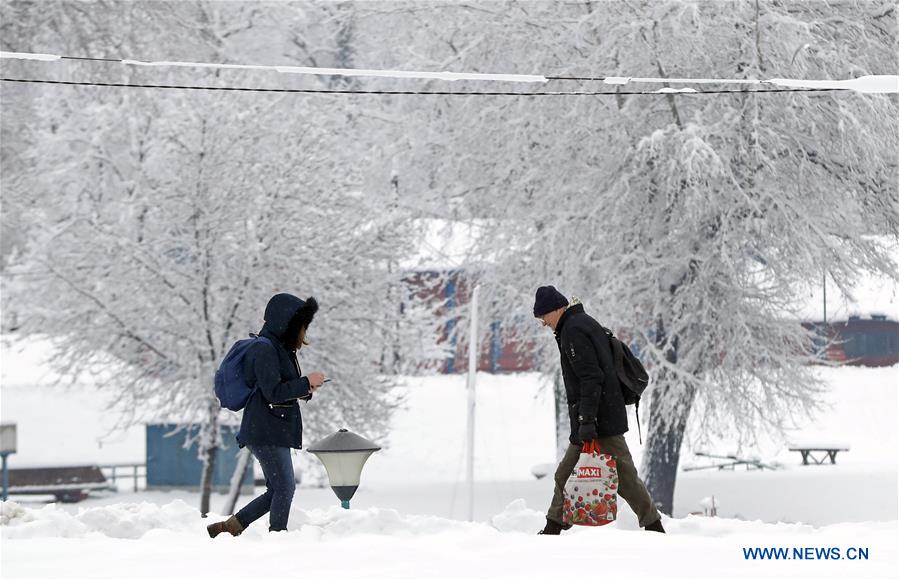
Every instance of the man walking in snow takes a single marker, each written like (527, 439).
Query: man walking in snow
(595, 405)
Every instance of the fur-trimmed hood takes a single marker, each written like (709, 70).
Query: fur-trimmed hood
(285, 314)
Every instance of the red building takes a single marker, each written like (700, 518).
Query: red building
(862, 342)
(872, 342)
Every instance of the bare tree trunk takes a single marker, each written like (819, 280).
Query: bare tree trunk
(209, 450)
(243, 461)
(670, 404)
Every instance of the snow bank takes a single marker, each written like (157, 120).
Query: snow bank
(336, 522)
(517, 517)
(142, 540)
(861, 406)
(125, 520)
(814, 494)
(133, 521)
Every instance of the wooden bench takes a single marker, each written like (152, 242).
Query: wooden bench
(830, 451)
(67, 484)
(730, 462)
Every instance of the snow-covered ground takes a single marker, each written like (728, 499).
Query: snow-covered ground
(407, 518)
(135, 540)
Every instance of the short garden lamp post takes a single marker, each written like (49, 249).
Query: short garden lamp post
(7, 446)
(343, 455)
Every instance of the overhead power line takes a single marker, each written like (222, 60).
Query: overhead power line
(677, 92)
(301, 70)
(873, 83)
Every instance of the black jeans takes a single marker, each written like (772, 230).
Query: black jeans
(280, 485)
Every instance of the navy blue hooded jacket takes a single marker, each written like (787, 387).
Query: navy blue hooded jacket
(272, 413)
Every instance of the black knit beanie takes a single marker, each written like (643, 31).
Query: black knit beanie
(548, 299)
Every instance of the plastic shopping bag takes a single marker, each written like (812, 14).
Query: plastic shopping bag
(591, 493)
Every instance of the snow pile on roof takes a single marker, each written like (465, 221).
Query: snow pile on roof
(26, 362)
(446, 244)
(30, 362)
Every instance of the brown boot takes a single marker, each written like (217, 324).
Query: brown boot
(231, 525)
(655, 527)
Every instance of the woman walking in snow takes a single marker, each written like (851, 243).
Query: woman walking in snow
(272, 423)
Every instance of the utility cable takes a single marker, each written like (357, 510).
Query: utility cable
(664, 91)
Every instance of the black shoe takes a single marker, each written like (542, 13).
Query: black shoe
(551, 529)
(655, 527)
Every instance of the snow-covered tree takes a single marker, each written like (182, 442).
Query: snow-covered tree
(169, 219)
(693, 223)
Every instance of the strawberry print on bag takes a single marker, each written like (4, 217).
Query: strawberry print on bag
(591, 493)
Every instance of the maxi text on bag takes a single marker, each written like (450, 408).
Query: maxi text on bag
(591, 493)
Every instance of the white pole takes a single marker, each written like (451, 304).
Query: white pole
(472, 382)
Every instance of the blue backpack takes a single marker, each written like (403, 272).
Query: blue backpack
(231, 387)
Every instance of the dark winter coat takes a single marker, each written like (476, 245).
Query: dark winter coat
(272, 413)
(588, 369)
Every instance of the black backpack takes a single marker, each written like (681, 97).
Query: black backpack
(632, 376)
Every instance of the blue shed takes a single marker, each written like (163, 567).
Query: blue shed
(171, 465)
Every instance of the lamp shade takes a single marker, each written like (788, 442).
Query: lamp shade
(8, 438)
(343, 455)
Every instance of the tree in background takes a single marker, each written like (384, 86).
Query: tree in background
(734, 208)
(169, 219)
(691, 222)
(694, 224)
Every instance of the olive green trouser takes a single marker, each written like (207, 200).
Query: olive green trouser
(630, 486)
